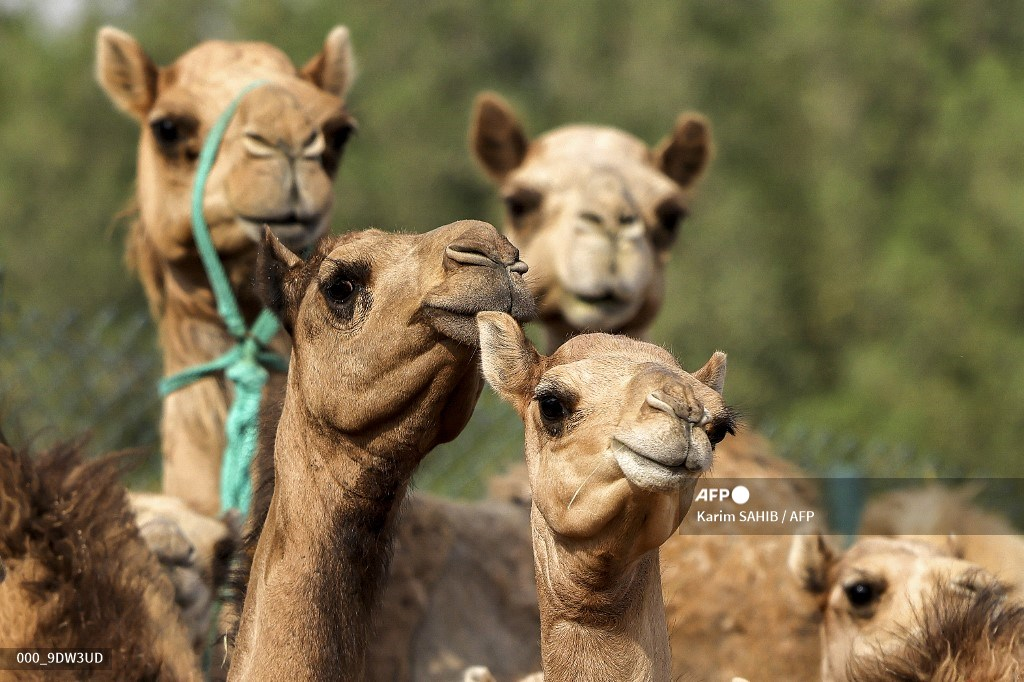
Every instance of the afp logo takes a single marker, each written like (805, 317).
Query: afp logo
(740, 494)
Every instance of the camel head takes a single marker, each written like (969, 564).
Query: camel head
(875, 595)
(593, 210)
(616, 433)
(388, 322)
(279, 154)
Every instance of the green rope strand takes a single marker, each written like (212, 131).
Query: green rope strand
(246, 365)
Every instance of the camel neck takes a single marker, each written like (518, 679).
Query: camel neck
(599, 621)
(191, 330)
(323, 555)
(192, 422)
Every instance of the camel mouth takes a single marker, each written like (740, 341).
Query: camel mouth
(649, 473)
(606, 312)
(607, 300)
(459, 323)
(295, 231)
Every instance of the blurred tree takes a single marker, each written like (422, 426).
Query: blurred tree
(856, 247)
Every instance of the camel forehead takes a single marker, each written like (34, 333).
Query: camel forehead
(597, 363)
(212, 58)
(588, 143)
(917, 564)
(597, 345)
(577, 156)
(892, 549)
(408, 251)
(207, 77)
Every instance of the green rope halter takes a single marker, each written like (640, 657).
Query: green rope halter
(246, 364)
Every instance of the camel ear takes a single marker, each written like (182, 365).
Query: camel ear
(810, 558)
(274, 265)
(712, 374)
(496, 136)
(125, 72)
(334, 69)
(686, 154)
(510, 362)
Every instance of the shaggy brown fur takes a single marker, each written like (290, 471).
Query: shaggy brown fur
(78, 574)
(976, 636)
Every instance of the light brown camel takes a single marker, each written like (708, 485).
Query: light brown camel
(897, 609)
(275, 166)
(595, 212)
(74, 572)
(383, 368)
(616, 437)
(935, 512)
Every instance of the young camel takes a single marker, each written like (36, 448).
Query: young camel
(383, 368)
(595, 212)
(74, 572)
(898, 609)
(616, 437)
(275, 166)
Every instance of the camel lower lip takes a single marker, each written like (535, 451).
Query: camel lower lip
(647, 472)
(294, 234)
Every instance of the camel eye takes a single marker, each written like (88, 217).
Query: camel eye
(341, 288)
(339, 137)
(862, 593)
(166, 131)
(173, 135)
(670, 215)
(338, 291)
(522, 201)
(555, 408)
(552, 409)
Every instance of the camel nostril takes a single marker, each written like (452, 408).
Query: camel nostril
(520, 267)
(471, 254)
(657, 400)
(592, 218)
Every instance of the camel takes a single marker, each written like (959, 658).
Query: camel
(74, 572)
(595, 212)
(899, 609)
(934, 512)
(275, 166)
(383, 368)
(616, 437)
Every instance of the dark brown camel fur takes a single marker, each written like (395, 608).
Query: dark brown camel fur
(76, 572)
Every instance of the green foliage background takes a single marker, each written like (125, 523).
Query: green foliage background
(856, 247)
